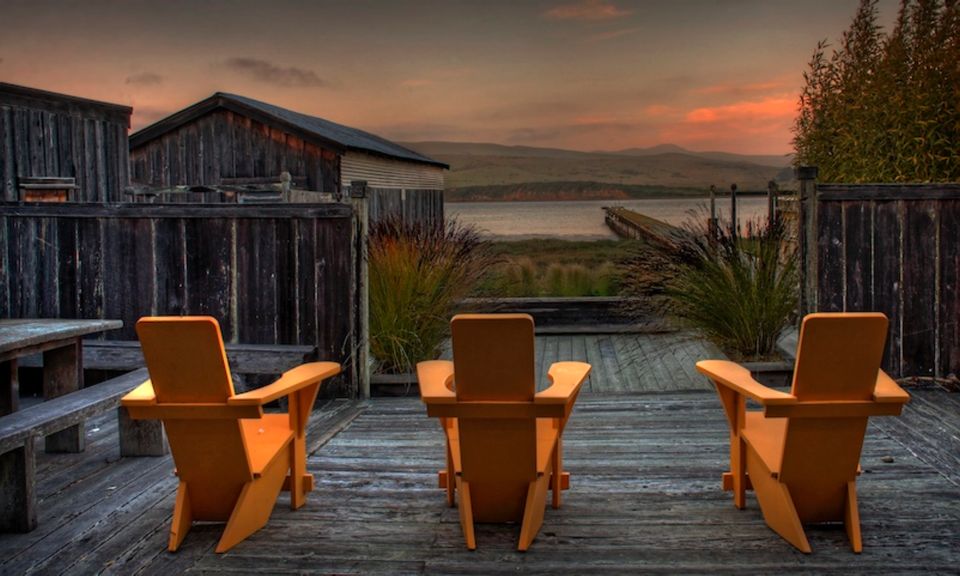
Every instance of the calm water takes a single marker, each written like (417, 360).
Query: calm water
(583, 220)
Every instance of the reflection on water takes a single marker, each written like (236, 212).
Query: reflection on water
(584, 220)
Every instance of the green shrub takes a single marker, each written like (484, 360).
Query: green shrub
(739, 291)
(417, 274)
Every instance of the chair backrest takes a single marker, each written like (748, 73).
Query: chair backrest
(838, 355)
(493, 358)
(838, 359)
(188, 365)
(186, 358)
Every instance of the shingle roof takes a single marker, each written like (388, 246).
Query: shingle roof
(341, 136)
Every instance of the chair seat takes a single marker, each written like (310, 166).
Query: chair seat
(264, 437)
(766, 436)
(547, 435)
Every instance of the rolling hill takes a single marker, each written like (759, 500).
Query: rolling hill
(488, 172)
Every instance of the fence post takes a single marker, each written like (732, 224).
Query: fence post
(772, 190)
(712, 221)
(807, 238)
(361, 232)
(734, 229)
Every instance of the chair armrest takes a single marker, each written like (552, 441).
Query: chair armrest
(436, 382)
(888, 391)
(291, 381)
(738, 379)
(142, 395)
(566, 379)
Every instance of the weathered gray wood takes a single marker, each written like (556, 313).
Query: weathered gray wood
(63, 374)
(294, 288)
(18, 510)
(887, 248)
(39, 334)
(67, 410)
(140, 437)
(243, 358)
(53, 139)
(645, 497)
(9, 387)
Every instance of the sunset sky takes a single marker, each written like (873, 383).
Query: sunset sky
(578, 74)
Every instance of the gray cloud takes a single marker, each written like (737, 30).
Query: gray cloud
(144, 79)
(270, 73)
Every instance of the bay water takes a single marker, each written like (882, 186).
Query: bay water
(583, 220)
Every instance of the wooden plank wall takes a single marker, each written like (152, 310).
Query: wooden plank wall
(52, 138)
(224, 144)
(895, 249)
(424, 206)
(271, 274)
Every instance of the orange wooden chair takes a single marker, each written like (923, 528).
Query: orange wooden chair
(504, 446)
(231, 458)
(801, 453)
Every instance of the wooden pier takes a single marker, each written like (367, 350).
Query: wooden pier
(645, 493)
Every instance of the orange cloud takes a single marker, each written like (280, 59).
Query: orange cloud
(587, 10)
(761, 126)
(766, 109)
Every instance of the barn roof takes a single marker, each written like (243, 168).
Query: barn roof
(327, 133)
(12, 94)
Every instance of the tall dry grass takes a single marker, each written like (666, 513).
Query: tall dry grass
(417, 274)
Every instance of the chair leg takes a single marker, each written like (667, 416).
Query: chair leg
(466, 513)
(851, 517)
(451, 485)
(776, 504)
(255, 504)
(533, 511)
(556, 477)
(182, 518)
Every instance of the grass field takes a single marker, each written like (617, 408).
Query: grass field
(553, 267)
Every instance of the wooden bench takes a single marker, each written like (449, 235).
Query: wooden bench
(243, 358)
(19, 430)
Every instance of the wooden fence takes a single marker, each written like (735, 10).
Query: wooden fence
(893, 249)
(271, 274)
(425, 206)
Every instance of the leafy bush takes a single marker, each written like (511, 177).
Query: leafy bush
(417, 274)
(886, 107)
(740, 291)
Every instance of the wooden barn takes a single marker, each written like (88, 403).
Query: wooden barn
(58, 147)
(233, 140)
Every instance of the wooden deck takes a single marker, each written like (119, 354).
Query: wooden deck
(622, 363)
(645, 496)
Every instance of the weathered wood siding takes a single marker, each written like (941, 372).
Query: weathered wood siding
(408, 190)
(424, 206)
(45, 134)
(271, 274)
(387, 173)
(893, 249)
(224, 144)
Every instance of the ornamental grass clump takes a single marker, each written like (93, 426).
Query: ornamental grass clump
(417, 274)
(739, 291)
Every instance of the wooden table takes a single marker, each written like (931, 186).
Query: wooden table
(62, 348)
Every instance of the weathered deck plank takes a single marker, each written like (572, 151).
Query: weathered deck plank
(645, 496)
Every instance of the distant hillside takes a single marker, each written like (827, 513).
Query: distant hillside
(763, 160)
(480, 170)
(533, 191)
